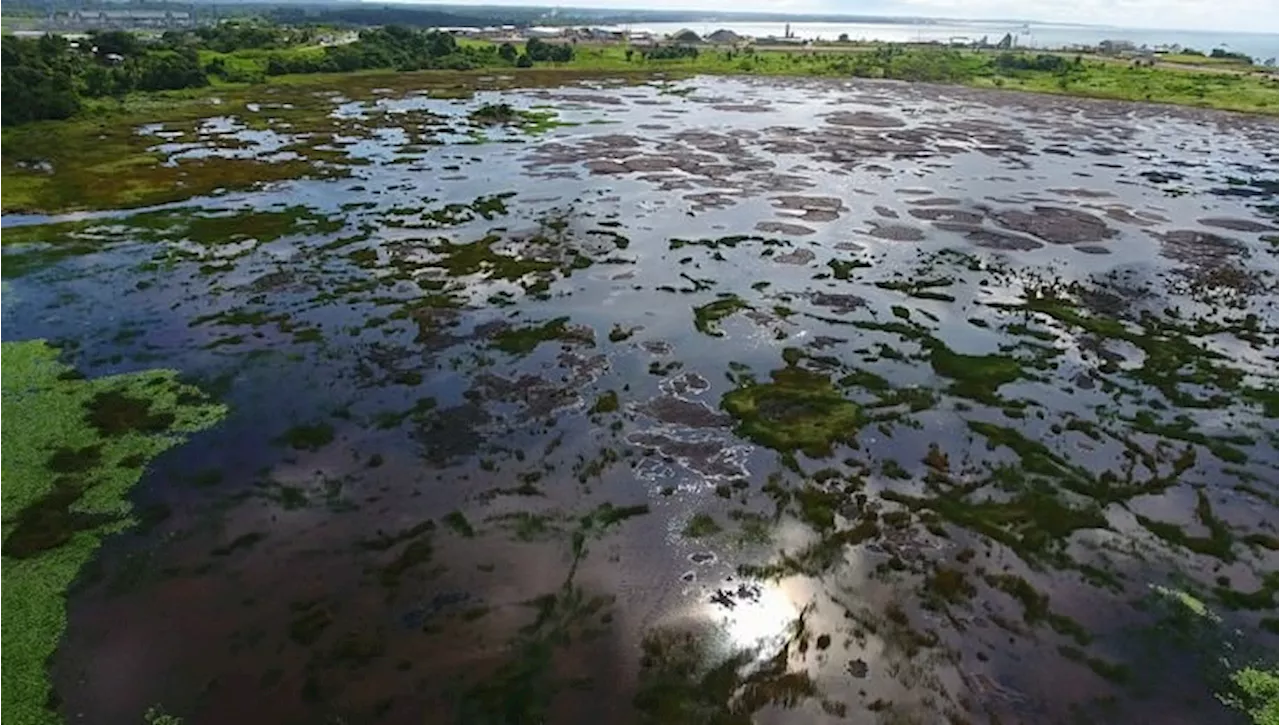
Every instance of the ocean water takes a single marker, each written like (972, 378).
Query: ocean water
(1261, 46)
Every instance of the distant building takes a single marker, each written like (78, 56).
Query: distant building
(724, 37)
(1115, 47)
(686, 37)
(121, 19)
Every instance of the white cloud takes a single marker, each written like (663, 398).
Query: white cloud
(1256, 16)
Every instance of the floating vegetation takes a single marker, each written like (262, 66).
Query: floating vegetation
(707, 317)
(73, 447)
(528, 120)
(523, 340)
(797, 410)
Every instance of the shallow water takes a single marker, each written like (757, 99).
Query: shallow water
(481, 387)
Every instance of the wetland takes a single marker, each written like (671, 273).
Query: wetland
(553, 397)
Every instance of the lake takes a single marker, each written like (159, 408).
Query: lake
(709, 400)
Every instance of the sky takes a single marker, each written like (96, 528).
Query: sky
(1257, 16)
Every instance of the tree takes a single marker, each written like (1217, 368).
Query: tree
(561, 53)
(524, 61)
(119, 42)
(507, 52)
(844, 38)
(537, 49)
(34, 93)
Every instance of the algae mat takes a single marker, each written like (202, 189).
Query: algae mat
(72, 450)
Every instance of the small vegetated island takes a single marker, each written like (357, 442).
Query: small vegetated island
(361, 372)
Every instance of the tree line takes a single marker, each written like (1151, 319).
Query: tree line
(49, 77)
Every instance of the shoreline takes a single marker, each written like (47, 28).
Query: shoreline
(100, 144)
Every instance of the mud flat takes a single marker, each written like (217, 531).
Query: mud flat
(725, 400)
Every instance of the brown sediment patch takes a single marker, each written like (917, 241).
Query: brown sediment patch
(769, 181)
(799, 256)
(452, 433)
(1124, 215)
(789, 146)
(604, 166)
(1092, 249)
(896, 232)
(650, 163)
(686, 383)
(674, 410)
(991, 238)
(656, 347)
(885, 212)
(712, 457)
(716, 143)
(864, 119)
(1150, 216)
(840, 303)
(1196, 247)
(540, 397)
(935, 201)
(1211, 265)
(710, 200)
(957, 216)
(1056, 224)
(580, 98)
(744, 107)
(1081, 193)
(1237, 225)
(794, 230)
(810, 208)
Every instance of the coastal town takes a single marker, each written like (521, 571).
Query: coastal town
(75, 22)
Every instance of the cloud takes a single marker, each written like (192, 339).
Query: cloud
(1210, 15)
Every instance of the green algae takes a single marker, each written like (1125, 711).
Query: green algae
(1172, 360)
(69, 461)
(727, 242)
(976, 376)
(528, 120)
(921, 289)
(34, 247)
(523, 340)
(479, 257)
(457, 521)
(706, 318)
(482, 207)
(701, 525)
(308, 436)
(620, 333)
(844, 269)
(798, 410)
(607, 402)
(1253, 692)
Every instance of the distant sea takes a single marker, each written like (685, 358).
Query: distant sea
(1262, 46)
